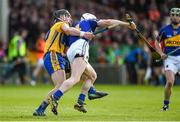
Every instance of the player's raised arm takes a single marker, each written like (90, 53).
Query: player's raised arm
(65, 16)
(108, 22)
(157, 44)
(75, 32)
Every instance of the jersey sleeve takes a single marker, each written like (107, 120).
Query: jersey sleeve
(84, 26)
(161, 35)
(93, 24)
(59, 25)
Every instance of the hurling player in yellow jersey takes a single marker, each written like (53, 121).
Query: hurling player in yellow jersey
(54, 49)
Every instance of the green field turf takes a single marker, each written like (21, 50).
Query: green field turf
(123, 103)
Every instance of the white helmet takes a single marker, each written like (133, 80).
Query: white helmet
(87, 16)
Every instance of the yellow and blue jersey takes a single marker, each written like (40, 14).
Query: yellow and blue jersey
(84, 25)
(54, 48)
(55, 39)
(170, 38)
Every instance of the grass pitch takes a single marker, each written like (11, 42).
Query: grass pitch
(140, 103)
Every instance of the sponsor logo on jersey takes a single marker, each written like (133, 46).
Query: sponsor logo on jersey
(173, 41)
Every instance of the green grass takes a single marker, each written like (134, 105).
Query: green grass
(123, 103)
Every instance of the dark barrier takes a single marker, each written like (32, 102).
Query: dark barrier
(110, 74)
(116, 74)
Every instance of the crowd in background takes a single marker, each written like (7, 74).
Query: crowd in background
(114, 47)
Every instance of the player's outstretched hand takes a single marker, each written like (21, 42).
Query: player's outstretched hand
(132, 26)
(88, 35)
(163, 56)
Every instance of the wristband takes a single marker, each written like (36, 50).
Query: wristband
(82, 33)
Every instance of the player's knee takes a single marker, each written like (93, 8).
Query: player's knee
(94, 76)
(169, 84)
(75, 79)
(58, 84)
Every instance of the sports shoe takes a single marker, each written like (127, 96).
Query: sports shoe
(165, 108)
(53, 104)
(80, 106)
(39, 113)
(97, 95)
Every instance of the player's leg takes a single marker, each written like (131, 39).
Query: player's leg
(75, 54)
(69, 83)
(54, 65)
(84, 91)
(89, 76)
(170, 77)
(77, 71)
(92, 93)
(57, 77)
(170, 71)
(84, 78)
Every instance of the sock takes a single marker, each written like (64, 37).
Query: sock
(166, 102)
(91, 90)
(57, 95)
(43, 106)
(82, 97)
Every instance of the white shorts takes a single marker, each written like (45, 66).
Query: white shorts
(172, 63)
(80, 47)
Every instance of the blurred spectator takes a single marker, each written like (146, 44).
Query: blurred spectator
(16, 56)
(136, 65)
(106, 40)
(114, 55)
(101, 56)
(39, 67)
(144, 62)
(154, 14)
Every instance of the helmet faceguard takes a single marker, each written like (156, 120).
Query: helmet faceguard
(175, 11)
(175, 16)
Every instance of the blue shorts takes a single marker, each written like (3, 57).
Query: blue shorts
(53, 61)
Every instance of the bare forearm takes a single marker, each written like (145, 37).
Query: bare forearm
(109, 22)
(158, 48)
(73, 31)
(121, 23)
(70, 30)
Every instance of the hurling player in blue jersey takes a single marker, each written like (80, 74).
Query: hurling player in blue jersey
(170, 36)
(78, 55)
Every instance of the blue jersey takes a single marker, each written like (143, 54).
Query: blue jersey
(170, 38)
(84, 25)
